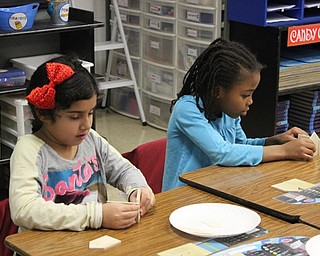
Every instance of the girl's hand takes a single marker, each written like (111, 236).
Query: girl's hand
(299, 149)
(147, 199)
(285, 137)
(118, 215)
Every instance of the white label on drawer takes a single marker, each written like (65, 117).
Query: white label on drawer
(123, 3)
(155, 78)
(155, 110)
(192, 52)
(192, 32)
(155, 24)
(155, 45)
(123, 17)
(154, 8)
(193, 16)
(192, 2)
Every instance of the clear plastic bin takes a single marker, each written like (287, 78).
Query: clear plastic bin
(19, 127)
(15, 117)
(123, 101)
(8, 138)
(128, 16)
(157, 110)
(159, 47)
(195, 31)
(159, 80)
(120, 68)
(209, 3)
(161, 8)
(132, 34)
(188, 51)
(157, 23)
(180, 76)
(130, 4)
(199, 14)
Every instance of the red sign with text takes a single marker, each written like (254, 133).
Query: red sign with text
(305, 34)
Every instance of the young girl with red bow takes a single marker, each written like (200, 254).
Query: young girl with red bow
(60, 172)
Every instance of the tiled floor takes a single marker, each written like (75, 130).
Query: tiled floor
(124, 133)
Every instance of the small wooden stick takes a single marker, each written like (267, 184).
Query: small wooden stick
(122, 202)
(138, 202)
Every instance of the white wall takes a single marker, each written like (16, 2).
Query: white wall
(99, 9)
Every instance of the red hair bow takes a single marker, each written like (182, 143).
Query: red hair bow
(44, 97)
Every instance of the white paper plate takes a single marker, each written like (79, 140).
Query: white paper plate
(214, 220)
(313, 246)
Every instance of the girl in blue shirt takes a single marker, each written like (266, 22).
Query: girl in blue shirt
(204, 128)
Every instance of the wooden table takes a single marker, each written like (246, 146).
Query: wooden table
(251, 186)
(311, 218)
(154, 233)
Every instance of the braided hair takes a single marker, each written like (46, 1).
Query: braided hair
(221, 64)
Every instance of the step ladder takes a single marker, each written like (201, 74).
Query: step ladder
(109, 82)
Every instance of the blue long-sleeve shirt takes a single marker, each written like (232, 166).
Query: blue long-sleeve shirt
(193, 142)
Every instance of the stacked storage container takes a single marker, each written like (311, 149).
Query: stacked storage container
(123, 100)
(15, 118)
(163, 43)
(158, 60)
(199, 23)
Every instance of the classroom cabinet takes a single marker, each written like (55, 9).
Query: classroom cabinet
(270, 44)
(76, 37)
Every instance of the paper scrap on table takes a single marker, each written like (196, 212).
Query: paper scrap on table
(316, 140)
(103, 242)
(293, 185)
(185, 250)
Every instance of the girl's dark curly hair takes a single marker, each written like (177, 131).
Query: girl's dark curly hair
(80, 86)
(221, 64)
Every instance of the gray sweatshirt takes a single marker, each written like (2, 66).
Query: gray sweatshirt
(48, 192)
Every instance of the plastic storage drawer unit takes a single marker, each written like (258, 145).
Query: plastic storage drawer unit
(128, 16)
(158, 79)
(15, 118)
(211, 3)
(157, 110)
(133, 39)
(188, 52)
(197, 31)
(123, 101)
(180, 77)
(199, 14)
(159, 47)
(119, 67)
(164, 8)
(158, 23)
(130, 4)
